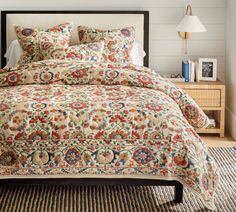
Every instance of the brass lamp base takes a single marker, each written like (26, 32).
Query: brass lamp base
(185, 35)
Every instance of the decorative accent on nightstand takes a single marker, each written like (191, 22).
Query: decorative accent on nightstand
(210, 96)
(207, 69)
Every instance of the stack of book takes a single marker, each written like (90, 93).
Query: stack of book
(189, 70)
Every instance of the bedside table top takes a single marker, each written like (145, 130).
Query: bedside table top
(202, 84)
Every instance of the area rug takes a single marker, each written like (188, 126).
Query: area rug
(120, 198)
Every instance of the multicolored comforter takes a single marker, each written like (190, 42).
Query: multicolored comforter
(71, 119)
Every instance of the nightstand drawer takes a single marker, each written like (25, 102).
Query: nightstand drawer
(205, 98)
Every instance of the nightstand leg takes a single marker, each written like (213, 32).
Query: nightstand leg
(222, 123)
(222, 113)
(222, 135)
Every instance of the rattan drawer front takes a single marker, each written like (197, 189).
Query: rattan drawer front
(205, 98)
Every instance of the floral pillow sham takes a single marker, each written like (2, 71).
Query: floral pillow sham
(91, 52)
(118, 42)
(29, 40)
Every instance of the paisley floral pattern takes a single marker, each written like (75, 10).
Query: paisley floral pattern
(53, 38)
(118, 42)
(72, 119)
(91, 52)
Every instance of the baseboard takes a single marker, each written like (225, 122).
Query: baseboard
(231, 123)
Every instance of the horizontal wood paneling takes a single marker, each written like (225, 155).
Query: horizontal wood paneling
(111, 3)
(168, 32)
(174, 48)
(166, 48)
(174, 15)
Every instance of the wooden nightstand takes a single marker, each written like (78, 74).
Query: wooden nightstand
(210, 96)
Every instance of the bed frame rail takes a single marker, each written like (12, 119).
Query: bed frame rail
(98, 182)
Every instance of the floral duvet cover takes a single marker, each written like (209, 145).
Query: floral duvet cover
(69, 119)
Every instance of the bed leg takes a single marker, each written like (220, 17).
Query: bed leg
(178, 192)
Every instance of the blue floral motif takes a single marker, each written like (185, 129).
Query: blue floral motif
(143, 156)
(72, 156)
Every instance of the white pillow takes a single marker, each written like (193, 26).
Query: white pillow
(137, 54)
(13, 54)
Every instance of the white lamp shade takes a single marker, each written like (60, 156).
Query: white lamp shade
(191, 23)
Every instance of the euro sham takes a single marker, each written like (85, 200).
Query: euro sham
(118, 42)
(29, 39)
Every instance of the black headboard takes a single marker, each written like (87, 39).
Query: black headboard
(4, 25)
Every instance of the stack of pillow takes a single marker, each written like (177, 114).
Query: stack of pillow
(95, 45)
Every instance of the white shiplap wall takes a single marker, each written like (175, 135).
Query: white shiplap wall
(230, 69)
(165, 46)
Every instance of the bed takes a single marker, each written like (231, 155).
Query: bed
(67, 122)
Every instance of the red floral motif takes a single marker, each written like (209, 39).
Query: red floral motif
(191, 112)
(154, 107)
(4, 70)
(180, 161)
(3, 107)
(19, 136)
(78, 105)
(117, 118)
(112, 45)
(118, 134)
(38, 135)
(176, 138)
(46, 45)
(17, 120)
(74, 55)
(126, 32)
(55, 29)
(99, 135)
(97, 118)
(175, 93)
(80, 73)
(13, 78)
(144, 79)
(135, 134)
(112, 58)
(37, 119)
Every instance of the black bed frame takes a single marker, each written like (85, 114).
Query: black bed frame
(89, 181)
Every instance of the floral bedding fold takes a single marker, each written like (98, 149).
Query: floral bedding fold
(71, 119)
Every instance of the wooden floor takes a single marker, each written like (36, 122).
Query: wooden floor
(216, 141)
